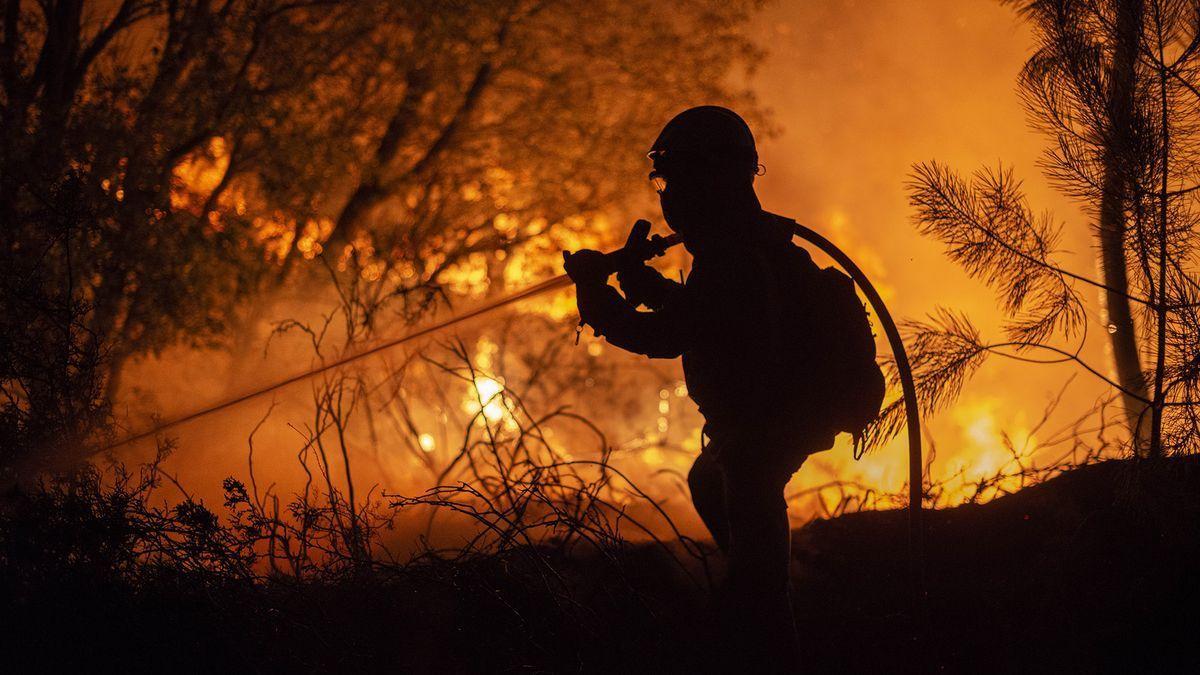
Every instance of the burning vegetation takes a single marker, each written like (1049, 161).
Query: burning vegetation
(200, 199)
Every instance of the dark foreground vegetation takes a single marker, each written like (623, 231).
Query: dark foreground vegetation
(1092, 571)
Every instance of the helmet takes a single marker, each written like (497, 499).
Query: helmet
(707, 133)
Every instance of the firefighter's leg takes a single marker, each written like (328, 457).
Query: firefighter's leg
(759, 562)
(706, 481)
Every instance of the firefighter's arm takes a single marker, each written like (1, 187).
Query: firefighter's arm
(661, 334)
(643, 285)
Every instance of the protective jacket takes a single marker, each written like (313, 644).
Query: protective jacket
(725, 321)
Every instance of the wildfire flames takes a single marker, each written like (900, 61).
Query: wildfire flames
(838, 166)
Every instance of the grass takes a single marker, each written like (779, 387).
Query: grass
(1091, 571)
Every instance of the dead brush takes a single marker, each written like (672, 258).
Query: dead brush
(525, 494)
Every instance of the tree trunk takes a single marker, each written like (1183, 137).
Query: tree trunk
(1121, 328)
(1160, 296)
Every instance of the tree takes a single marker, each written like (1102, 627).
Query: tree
(101, 104)
(497, 141)
(122, 99)
(412, 147)
(1113, 83)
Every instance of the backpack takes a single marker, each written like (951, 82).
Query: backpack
(829, 344)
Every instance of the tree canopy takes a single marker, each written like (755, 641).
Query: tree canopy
(163, 162)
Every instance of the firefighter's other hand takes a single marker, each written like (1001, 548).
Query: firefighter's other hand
(587, 267)
(640, 284)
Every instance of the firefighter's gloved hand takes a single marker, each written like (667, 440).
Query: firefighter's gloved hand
(641, 285)
(587, 267)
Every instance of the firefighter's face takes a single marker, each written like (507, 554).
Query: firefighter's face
(678, 198)
(689, 196)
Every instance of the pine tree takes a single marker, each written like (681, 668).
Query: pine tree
(1113, 84)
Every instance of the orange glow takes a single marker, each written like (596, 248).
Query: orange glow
(200, 174)
(860, 96)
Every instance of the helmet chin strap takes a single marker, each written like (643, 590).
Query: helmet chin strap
(722, 220)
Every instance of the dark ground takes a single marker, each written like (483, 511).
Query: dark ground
(1094, 571)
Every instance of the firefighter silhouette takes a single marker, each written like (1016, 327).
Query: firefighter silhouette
(776, 367)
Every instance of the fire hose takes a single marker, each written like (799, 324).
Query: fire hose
(912, 413)
(650, 248)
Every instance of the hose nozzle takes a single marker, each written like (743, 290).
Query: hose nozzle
(639, 247)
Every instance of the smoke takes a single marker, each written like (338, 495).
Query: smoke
(860, 92)
(863, 90)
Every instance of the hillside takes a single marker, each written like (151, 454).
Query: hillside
(1092, 571)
